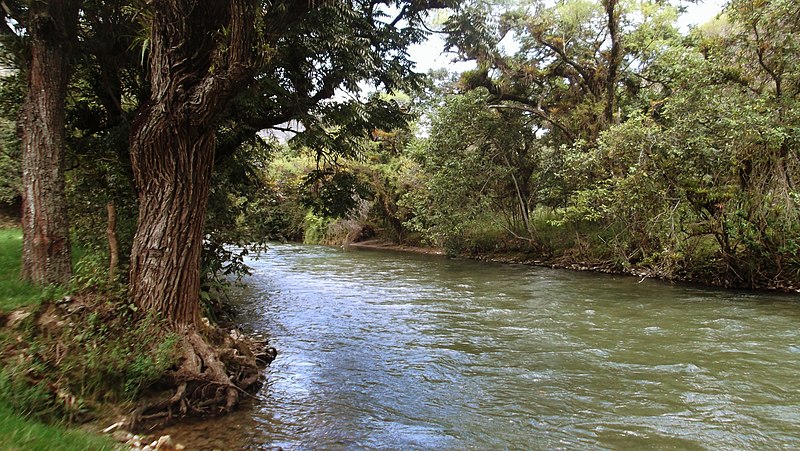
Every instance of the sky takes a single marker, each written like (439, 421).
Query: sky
(429, 55)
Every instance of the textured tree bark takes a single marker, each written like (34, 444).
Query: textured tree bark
(46, 254)
(172, 165)
(201, 54)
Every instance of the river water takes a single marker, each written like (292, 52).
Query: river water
(383, 350)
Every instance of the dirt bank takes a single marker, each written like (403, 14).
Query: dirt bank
(564, 262)
(389, 246)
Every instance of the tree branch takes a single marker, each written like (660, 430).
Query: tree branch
(586, 79)
(776, 78)
(538, 111)
(235, 63)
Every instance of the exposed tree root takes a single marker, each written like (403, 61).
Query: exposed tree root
(216, 370)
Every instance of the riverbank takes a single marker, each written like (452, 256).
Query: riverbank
(28, 417)
(389, 246)
(83, 354)
(573, 264)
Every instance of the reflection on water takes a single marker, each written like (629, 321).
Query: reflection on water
(398, 351)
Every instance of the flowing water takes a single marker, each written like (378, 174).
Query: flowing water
(382, 350)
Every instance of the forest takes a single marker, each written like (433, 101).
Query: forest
(148, 148)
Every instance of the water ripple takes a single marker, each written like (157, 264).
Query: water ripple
(393, 351)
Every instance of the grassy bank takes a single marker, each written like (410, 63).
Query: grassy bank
(33, 386)
(20, 433)
(14, 293)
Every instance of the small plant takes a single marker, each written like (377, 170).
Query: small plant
(148, 368)
(27, 396)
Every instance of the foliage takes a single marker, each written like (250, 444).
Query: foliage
(55, 369)
(10, 175)
(316, 229)
(392, 177)
(480, 158)
(106, 352)
(693, 176)
(570, 74)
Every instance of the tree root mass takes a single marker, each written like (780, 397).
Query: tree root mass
(215, 371)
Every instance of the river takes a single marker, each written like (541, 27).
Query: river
(383, 350)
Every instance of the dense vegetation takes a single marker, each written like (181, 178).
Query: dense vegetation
(668, 154)
(589, 134)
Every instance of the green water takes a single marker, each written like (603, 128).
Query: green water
(382, 350)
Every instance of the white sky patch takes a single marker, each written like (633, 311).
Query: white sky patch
(699, 13)
(430, 55)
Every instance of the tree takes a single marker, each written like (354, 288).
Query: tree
(571, 61)
(199, 57)
(200, 60)
(51, 28)
(481, 162)
(700, 181)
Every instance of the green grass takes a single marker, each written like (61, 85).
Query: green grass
(14, 293)
(18, 433)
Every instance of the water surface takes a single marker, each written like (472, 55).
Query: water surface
(383, 350)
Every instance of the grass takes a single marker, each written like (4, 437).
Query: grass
(19, 433)
(14, 293)
(18, 429)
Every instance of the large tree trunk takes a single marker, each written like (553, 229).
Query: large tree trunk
(172, 164)
(201, 53)
(46, 250)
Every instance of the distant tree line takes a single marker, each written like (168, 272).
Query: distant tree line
(598, 132)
